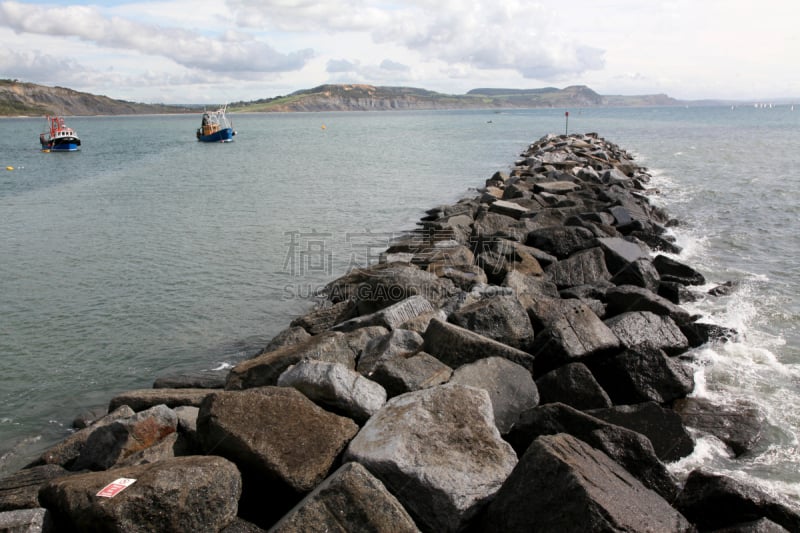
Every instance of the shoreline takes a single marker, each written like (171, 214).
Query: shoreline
(552, 238)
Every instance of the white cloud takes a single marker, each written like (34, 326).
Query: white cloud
(229, 52)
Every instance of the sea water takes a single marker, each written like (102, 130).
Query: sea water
(147, 253)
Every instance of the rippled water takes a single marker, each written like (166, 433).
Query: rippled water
(148, 253)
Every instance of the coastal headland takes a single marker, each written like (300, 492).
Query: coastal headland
(521, 361)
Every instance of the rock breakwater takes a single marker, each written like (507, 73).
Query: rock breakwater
(520, 362)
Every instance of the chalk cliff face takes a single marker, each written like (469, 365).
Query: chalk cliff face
(18, 98)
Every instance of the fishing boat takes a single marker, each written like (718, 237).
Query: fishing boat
(215, 127)
(59, 137)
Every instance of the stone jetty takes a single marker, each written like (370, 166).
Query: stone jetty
(519, 362)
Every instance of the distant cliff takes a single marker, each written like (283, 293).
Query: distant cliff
(29, 99)
(21, 99)
(373, 98)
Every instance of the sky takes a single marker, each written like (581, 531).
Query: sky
(199, 51)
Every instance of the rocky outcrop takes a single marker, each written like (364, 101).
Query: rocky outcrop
(512, 365)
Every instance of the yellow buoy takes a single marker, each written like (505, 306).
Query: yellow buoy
(323, 126)
(9, 168)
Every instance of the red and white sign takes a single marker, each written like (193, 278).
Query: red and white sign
(115, 487)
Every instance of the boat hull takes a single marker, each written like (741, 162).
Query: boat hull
(62, 145)
(223, 135)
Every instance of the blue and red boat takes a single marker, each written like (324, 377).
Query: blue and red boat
(59, 137)
(215, 127)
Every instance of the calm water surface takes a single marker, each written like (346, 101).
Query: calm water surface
(149, 253)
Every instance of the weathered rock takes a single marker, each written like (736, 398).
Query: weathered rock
(396, 343)
(642, 375)
(563, 484)
(511, 388)
(640, 273)
(182, 494)
(274, 433)
(530, 288)
(439, 452)
(188, 443)
(740, 425)
(240, 525)
(390, 317)
(490, 226)
(716, 501)
(206, 379)
(336, 388)
(556, 187)
(631, 450)
(34, 520)
(265, 369)
(456, 346)
(388, 286)
(676, 293)
(142, 399)
(399, 375)
(508, 208)
(497, 265)
(287, 337)
(662, 426)
(724, 289)
(621, 252)
(115, 443)
(699, 333)
(351, 499)
(20, 490)
(576, 335)
(627, 298)
(502, 318)
(420, 323)
(324, 317)
(582, 268)
(672, 270)
(65, 452)
(561, 241)
(648, 330)
(764, 525)
(448, 253)
(463, 276)
(574, 385)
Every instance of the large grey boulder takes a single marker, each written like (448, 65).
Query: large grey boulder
(275, 434)
(333, 346)
(502, 318)
(336, 388)
(631, 450)
(672, 270)
(20, 490)
(573, 334)
(561, 241)
(122, 441)
(399, 375)
(65, 452)
(510, 386)
(396, 343)
(530, 288)
(715, 501)
(647, 330)
(196, 493)
(739, 424)
(456, 346)
(574, 385)
(142, 399)
(671, 441)
(390, 317)
(34, 520)
(643, 375)
(203, 379)
(563, 484)
(640, 273)
(324, 317)
(350, 500)
(289, 336)
(396, 282)
(587, 267)
(626, 298)
(620, 252)
(439, 452)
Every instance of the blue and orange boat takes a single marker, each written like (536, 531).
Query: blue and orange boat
(215, 127)
(59, 137)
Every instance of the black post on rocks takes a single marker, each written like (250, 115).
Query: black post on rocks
(566, 125)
